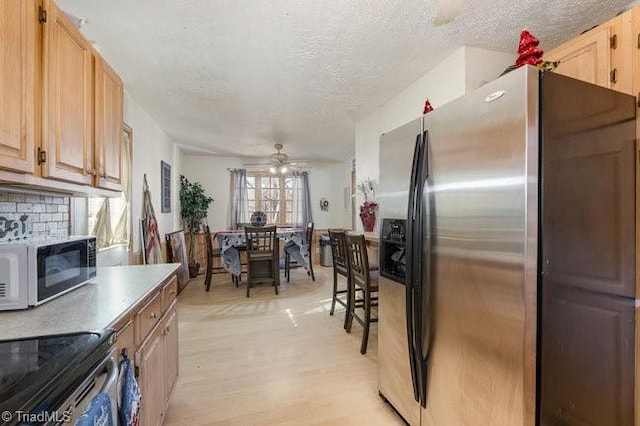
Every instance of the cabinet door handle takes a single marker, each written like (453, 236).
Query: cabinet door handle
(638, 99)
(638, 40)
(614, 76)
(153, 315)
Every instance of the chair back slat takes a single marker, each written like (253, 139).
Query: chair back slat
(309, 234)
(209, 242)
(260, 238)
(358, 259)
(338, 247)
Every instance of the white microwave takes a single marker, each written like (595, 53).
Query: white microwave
(33, 273)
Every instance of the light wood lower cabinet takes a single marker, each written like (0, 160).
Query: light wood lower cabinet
(149, 333)
(126, 339)
(151, 367)
(171, 350)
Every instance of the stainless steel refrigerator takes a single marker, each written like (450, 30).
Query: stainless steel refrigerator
(516, 301)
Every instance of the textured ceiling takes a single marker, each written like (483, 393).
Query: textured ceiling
(235, 76)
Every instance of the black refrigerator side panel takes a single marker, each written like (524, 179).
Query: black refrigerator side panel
(587, 262)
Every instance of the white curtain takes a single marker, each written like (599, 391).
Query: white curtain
(239, 212)
(102, 226)
(115, 211)
(301, 200)
(121, 232)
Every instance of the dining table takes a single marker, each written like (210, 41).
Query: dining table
(230, 241)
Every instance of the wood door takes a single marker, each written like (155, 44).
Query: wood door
(586, 57)
(150, 360)
(18, 26)
(586, 358)
(67, 136)
(635, 35)
(171, 349)
(108, 125)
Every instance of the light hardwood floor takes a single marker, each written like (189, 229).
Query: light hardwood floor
(273, 360)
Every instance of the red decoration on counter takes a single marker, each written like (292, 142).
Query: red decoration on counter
(368, 215)
(528, 52)
(427, 107)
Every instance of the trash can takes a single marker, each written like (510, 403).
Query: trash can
(326, 258)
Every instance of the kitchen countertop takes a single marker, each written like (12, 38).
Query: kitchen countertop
(92, 306)
(372, 238)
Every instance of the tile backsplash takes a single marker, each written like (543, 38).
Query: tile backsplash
(26, 215)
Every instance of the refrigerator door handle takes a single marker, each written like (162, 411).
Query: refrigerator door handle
(422, 290)
(411, 260)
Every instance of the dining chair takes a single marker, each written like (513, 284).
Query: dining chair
(242, 252)
(212, 253)
(294, 250)
(364, 279)
(262, 256)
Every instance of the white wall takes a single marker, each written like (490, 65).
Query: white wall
(150, 146)
(464, 70)
(325, 181)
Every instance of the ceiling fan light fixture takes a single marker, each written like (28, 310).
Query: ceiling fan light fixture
(284, 169)
(273, 170)
(447, 11)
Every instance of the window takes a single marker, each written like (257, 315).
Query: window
(272, 194)
(113, 228)
(116, 210)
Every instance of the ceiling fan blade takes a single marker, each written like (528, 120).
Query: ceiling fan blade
(446, 11)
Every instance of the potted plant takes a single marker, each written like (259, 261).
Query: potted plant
(194, 204)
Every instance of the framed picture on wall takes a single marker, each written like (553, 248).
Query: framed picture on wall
(165, 180)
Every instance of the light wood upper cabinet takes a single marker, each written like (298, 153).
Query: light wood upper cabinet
(18, 26)
(108, 125)
(600, 56)
(621, 51)
(67, 136)
(585, 58)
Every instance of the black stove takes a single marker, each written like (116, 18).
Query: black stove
(38, 374)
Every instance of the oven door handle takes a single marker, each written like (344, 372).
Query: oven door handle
(112, 378)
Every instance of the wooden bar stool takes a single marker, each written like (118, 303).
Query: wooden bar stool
(361, 279)
(340, 267)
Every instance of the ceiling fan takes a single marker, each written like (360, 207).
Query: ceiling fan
(278, 162)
